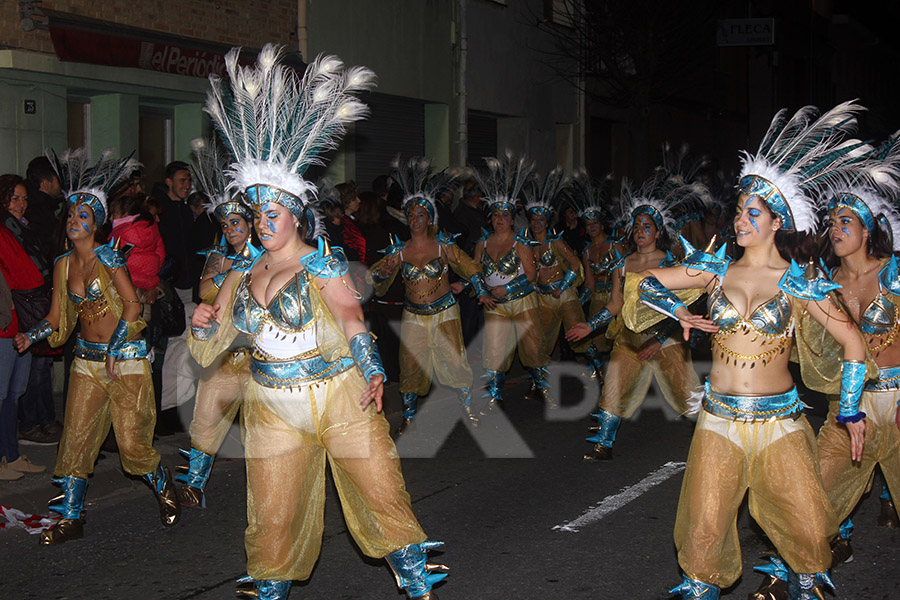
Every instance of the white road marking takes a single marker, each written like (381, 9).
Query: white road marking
(615, 502)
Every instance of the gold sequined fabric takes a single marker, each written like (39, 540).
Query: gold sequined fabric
(511, 325)
(564, 311)
(432, 344)
(286, 477)
(775, 462)
(628, 379)
(846, 481)
(94, 403)
(218, 399)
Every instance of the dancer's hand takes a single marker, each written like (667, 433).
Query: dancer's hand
(649, 349)
(578, 332)
(857, 439)
(487, 301)
(204, 314)
(110, 368)
(373, 392)
(498, 291)
(687, 320)
(457, 288)
(22, 342)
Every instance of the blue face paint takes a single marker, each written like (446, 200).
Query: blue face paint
(239, 230)
(844, 229)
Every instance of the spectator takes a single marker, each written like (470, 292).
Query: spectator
(134, 226)
(203, 233)
(349, 194)
(46, 207)
(20, 273)
(175, 221)
(446, 219)
(368, 219)
(37, 414)
(470, 217)
(573, 232)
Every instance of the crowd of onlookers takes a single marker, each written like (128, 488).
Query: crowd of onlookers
(163, 232)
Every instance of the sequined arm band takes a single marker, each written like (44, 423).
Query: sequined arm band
(478, 285)
(599, 320)
(123, 332)
(365, 353)
(205, 333)
(219, 279)
(39, 332)
(655, 295)
(853, 376)
(568, 279)
(584, 296)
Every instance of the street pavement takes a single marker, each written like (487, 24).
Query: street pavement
(522, 516)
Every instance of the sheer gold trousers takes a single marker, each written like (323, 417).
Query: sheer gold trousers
(94, 403)
(628, 379)
(432, 344)
(845, 481)
(219, 396)
(286, 477)
(513, 324)
(776, 461)
(564, 311)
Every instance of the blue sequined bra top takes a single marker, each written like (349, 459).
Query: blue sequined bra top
(289, 310)
(433, 269)
(772, 321)
(93, 293)
(501, 271)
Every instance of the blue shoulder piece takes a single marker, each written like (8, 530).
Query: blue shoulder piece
(702, 260)
(618, 260)
(668, 261)
(326, 266)
(811, 285)
(484, 235)
(445, 239)
(554, 236)
(219, 279)
(829, 273)
(522, 238)
(63, 254)
(109, 255)
(245, 262)
(394, 247)
(889, 276)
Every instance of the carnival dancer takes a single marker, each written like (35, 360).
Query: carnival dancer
(751, 433)
(219, 392)
(511, 310)
(430, 332)
(864, 230)
(110, 382)
(559, 273)
(592, 204)
(637, 357)
(317, 379)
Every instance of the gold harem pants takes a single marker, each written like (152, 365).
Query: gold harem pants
(94, 403)
(628, 379)
(432, 344)
(846, 481)
(511, 324)
(564, 311)
(776, 461)
(288, 434)
(218, 399)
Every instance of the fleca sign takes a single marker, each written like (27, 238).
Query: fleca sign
(745, 32)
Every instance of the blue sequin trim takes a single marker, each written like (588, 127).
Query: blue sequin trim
(753, 408)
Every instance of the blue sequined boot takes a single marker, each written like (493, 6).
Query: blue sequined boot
(540, 387)
(595, 361)
(494, 389)
(413, 572)
(465, 401)
(888, 515)
(263, 589)
(774, 585)
(410, 406)
(691, 589)
(807, 586)
(69, 505)
(192, 491)
(605, 435)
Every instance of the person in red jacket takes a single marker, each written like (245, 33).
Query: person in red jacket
(20, 273)
(133, 226)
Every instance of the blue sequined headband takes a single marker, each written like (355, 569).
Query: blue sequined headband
(646, 209)
(261, 193)
(92, 202)
(754, 185)
(428, 206)
(858, 207)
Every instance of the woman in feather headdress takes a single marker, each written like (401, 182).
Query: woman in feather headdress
(218, 393)
(863, 229)
(506, 286)
(316, 375)
(110, 382)
(430, 332)
(637, 357)
(751, 432)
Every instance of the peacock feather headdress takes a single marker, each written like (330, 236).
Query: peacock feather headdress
(590, 198)
(799, 158)
(502, 184)
(208, 171)
(542, 196)
(277, 124)
(666, 199)
(90, 183)
(420, 185)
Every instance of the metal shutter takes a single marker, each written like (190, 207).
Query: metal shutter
(396, 125)
(482, 138)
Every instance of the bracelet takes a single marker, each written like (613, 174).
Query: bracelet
(478, 285)
(853, 376)
(658, 297)
(39, 332)
(365, 353)
(567, 280)
(118, 338)
(600, 319)
(205, 333)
